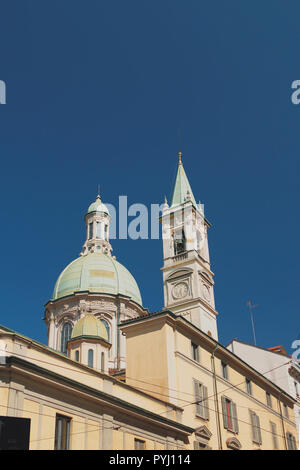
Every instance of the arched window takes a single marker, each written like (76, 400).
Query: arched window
(90, 358)
(77, 355)
(106, 324)
(102, 362)
(65, 336)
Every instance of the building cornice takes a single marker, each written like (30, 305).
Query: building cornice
(211, 343)
(15, 363)
(58, 355)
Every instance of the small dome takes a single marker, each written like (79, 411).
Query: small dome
(89, 326)
(96, 273)
(98, 206)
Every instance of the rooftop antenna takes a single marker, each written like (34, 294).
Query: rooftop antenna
(251, 307)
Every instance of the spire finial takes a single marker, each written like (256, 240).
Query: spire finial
(179, 158)
(98, 191)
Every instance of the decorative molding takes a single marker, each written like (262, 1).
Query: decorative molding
(233, 443)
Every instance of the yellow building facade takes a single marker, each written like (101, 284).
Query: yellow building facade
(227, 402)
(72, 406)
(115, 377)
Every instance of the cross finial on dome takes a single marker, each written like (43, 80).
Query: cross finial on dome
(98, 192)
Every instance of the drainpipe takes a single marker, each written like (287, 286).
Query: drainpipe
(216, 397)
(282, 422)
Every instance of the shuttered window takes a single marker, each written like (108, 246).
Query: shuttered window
(230, 418)
(291, 441)
(274, 435)
(255, 426)
(201, 400)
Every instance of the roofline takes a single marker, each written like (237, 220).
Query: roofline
(13, 360)
(258, 347)
(214, 343)
(83, 366)
(94, 338)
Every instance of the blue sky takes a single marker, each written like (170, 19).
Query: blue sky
(96, 92)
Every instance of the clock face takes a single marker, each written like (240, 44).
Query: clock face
(206, 293)
(180, 290)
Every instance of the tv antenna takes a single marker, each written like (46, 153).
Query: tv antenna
(251, 307)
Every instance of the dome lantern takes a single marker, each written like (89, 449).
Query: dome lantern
(97, 220)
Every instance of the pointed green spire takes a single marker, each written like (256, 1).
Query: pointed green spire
(182, 189)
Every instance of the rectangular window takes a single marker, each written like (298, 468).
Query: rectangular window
(139, 444)
(249, 386)
(224, 370)
(195, 352)
(179, 242)
(255, 425)
(230, 415)
(201, 400)
(286, 410)
(62, 433)
(274, 435)
(291, 441)
(269, 399)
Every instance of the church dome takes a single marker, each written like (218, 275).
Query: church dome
(89, 326)
(96, 273)
(98, 206)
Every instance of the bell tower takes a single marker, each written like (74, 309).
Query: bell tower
(187, 277)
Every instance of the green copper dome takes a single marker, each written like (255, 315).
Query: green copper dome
(99, 273)
(98, 206)
(89, 326)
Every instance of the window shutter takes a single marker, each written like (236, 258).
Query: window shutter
(225, 418)
(234, 418)
(291, 441)
(198, 397)
(253, 426)
(274, 435)
(205, 403)
(258, 430)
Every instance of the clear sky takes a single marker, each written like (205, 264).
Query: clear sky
(96, 92)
